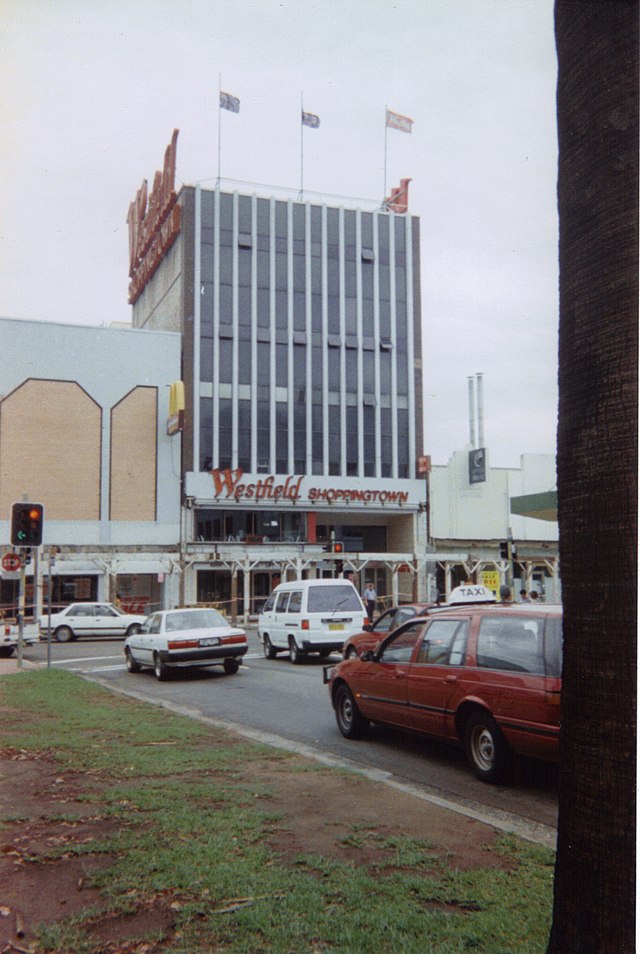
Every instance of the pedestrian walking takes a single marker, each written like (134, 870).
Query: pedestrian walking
(370, 598)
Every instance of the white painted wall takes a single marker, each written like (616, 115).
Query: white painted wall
(107, 363)
(460, 510)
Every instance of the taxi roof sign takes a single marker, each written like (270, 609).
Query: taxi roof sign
(472, 593)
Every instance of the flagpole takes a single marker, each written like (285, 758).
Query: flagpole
(384, 193)
(301, 147)
(219, 125)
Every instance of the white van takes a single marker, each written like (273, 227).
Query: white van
(310, 616)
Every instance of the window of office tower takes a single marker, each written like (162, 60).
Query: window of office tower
(244, 435)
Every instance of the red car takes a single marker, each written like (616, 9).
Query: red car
(372, 634)
(485, 676)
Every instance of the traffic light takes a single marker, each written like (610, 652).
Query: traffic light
(504, 549)
(26, 524)
(334, 546)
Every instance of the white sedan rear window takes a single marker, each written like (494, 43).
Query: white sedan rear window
(194, 619)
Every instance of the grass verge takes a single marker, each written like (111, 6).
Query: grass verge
(197, 839)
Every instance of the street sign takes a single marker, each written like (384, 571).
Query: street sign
(11, 562)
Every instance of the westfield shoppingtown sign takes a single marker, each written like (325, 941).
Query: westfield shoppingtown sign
(235, 488)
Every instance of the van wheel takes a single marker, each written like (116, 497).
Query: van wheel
(351, 722)
(294, 652)
(487, 750)
(267, 648)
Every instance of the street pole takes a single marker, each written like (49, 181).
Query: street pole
(510, 553)
(52, 560)
(21, 611)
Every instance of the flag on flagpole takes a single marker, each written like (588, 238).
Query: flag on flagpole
(396, 121)
(227, 101)
(310, 119)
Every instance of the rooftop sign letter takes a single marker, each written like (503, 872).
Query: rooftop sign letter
(154, 224)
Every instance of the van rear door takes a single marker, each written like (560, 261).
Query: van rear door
(334, 612)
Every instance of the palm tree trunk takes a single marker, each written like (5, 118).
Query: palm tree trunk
(594, 905)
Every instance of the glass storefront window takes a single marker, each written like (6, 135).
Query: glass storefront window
(250, 527)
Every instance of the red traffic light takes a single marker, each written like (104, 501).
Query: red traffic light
(26, 524)
(338, 547)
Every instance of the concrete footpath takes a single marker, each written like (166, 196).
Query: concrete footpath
(10, 666)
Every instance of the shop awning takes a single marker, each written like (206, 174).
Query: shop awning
(539, 506)
(73, 568)
(138, 567)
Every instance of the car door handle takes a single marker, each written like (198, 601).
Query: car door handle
(450, 678)
(400, 673)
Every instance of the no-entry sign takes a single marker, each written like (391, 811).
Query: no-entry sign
(11, 562)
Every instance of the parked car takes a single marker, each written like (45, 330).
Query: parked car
(179, 638)
(89, 619)
(373, 633)
(310, 616)
(485, 676)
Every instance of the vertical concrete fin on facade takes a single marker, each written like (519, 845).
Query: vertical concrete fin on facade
(50, 446)
(133, 465)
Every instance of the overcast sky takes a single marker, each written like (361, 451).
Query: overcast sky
(93, 91)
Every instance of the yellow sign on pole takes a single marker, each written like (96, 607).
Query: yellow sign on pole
(491, 579)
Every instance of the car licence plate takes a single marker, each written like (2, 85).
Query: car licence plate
(336, 627)
(210, 641)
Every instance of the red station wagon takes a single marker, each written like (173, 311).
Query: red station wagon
(487, 676)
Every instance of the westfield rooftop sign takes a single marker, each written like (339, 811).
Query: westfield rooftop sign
(234, 486)
(154, 223)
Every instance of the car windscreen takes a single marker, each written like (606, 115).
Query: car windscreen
(329, 599)
(194, 619)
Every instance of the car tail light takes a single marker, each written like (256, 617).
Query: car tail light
(183, 644)
(365, 622)
(305, 624)
(231, 640)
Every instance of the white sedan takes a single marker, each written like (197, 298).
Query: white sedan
(89, 619)
(174, 639)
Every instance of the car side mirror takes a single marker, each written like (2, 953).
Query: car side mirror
(368, 656)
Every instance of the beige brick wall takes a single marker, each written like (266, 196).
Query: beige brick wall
(50, 438)
(133, 478)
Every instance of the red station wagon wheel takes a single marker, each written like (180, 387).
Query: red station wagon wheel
(351, 722)
(487, 750)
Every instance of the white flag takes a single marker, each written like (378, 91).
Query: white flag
(396, 121)
(227, 101)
